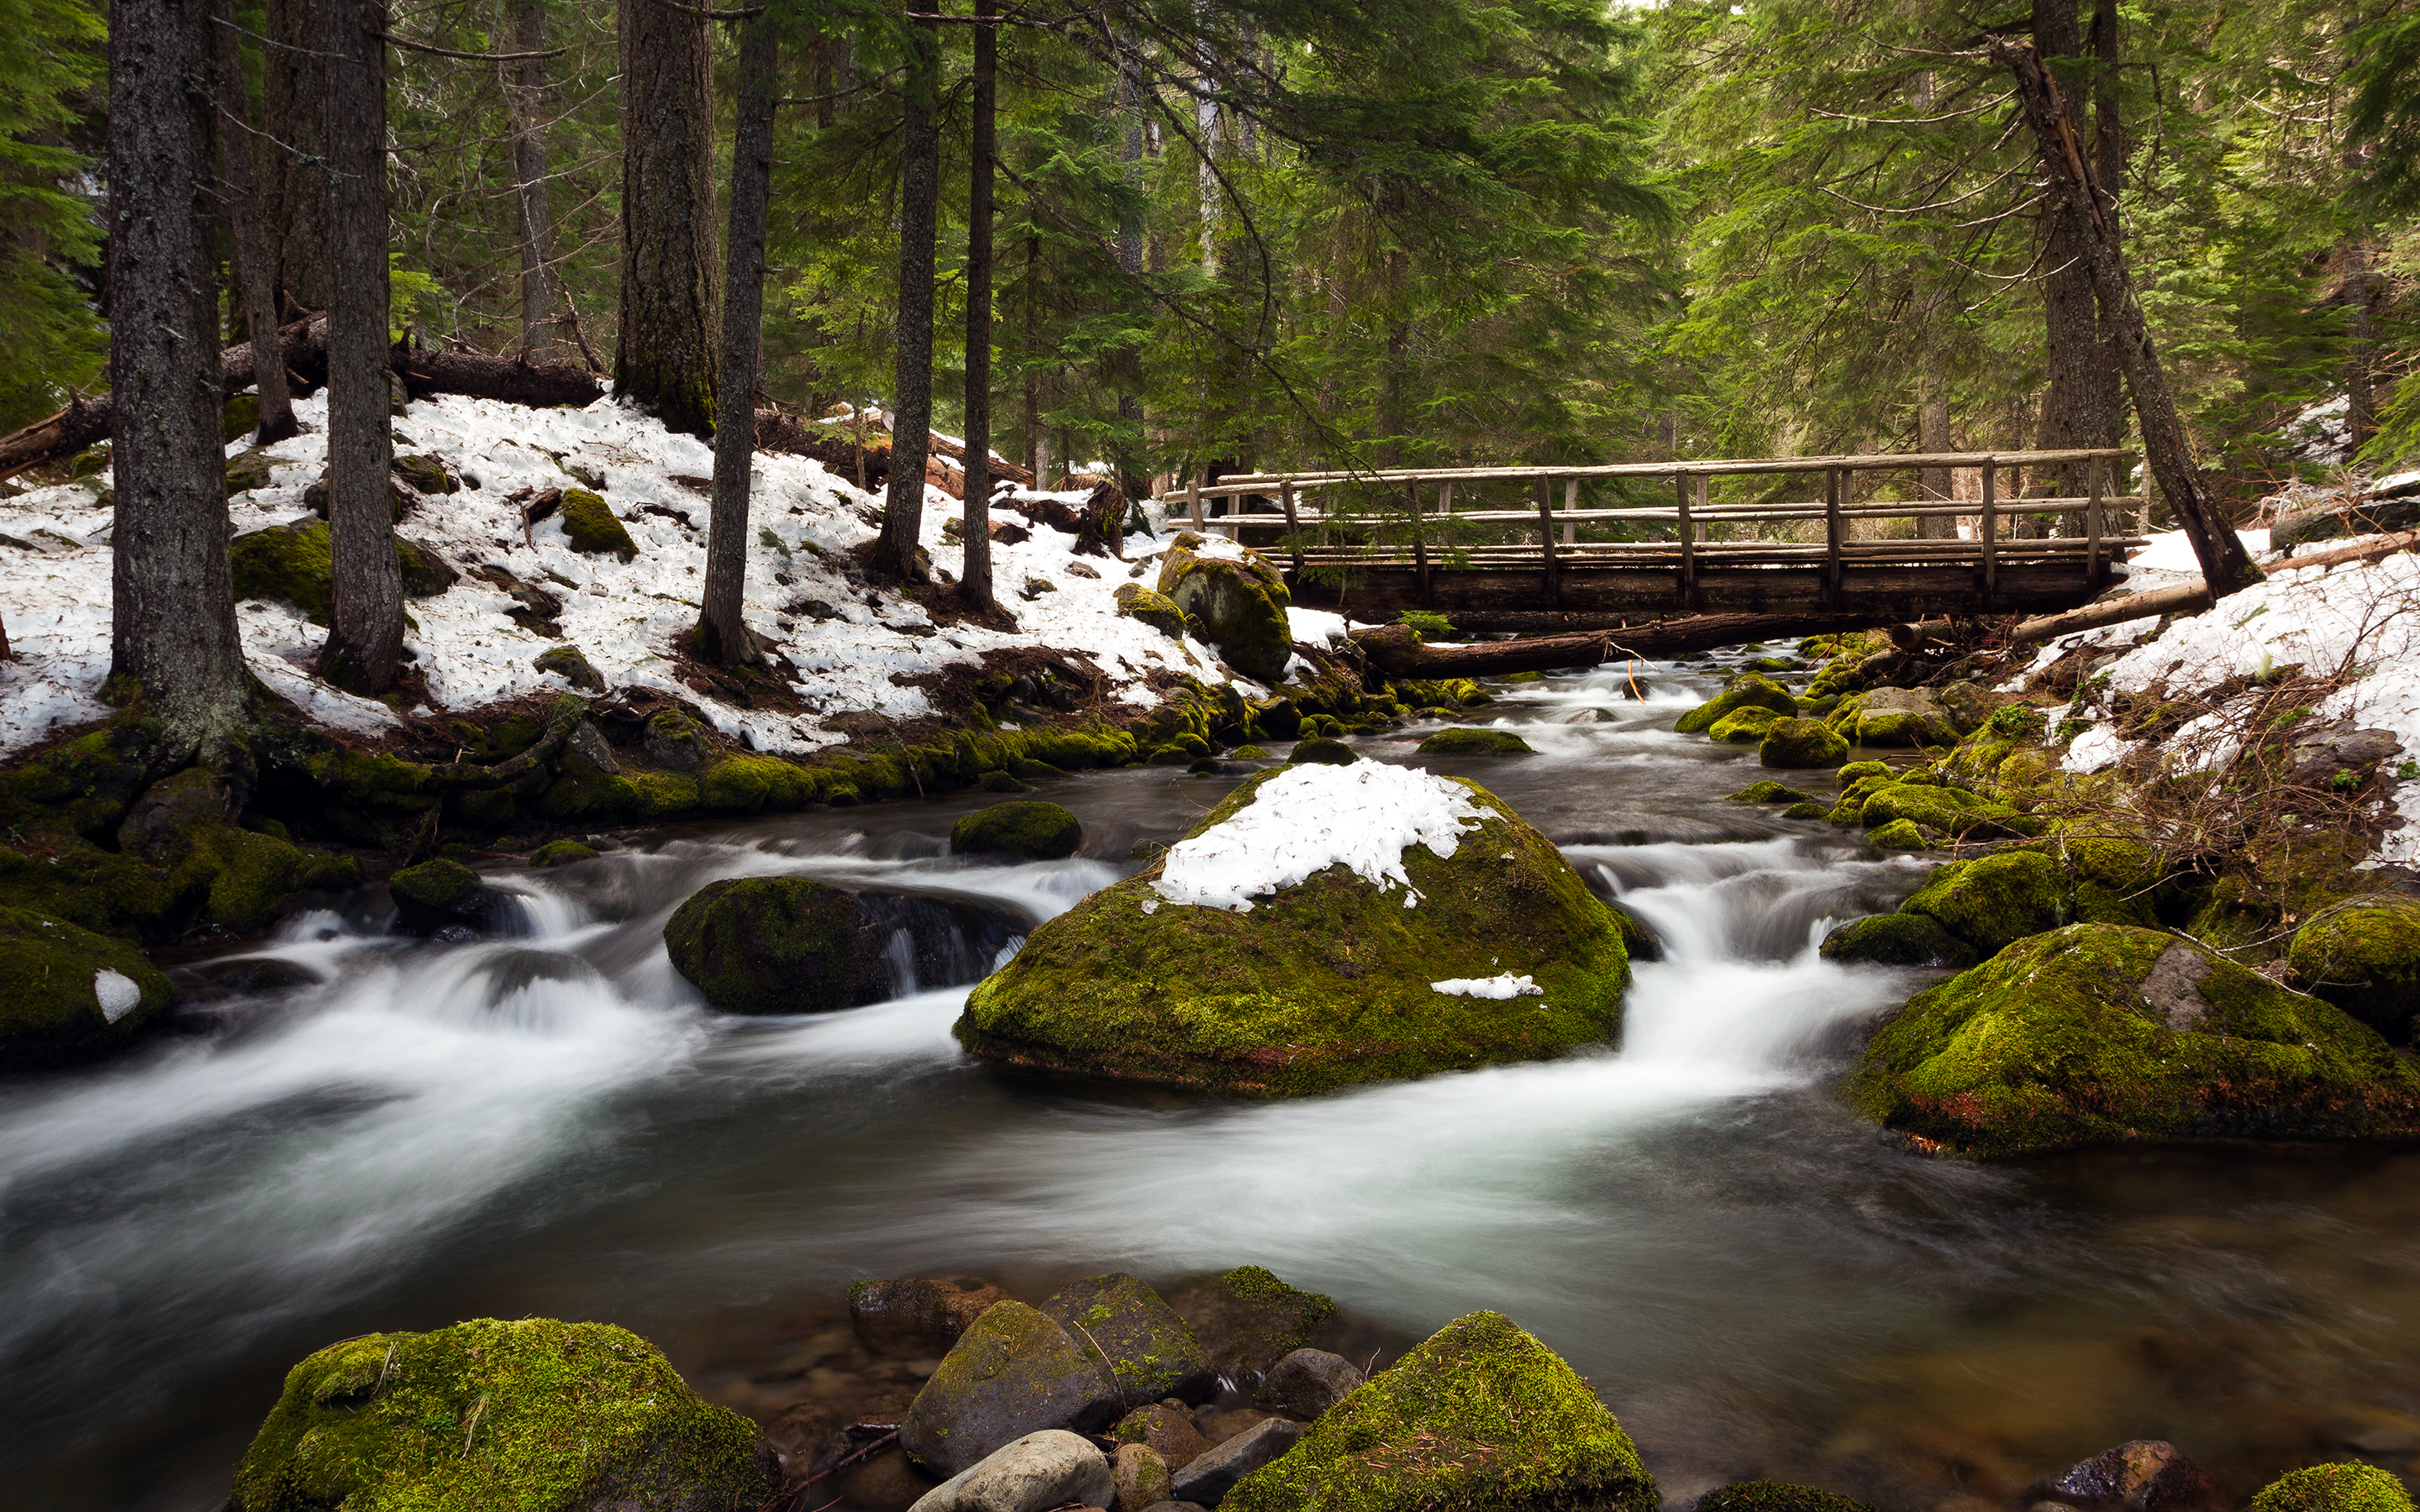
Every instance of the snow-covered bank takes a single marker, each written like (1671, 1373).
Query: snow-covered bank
(851, 642)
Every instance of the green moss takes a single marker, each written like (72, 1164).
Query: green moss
(561, 853)
(1323, 750)
(1858, 771)
(490, 1416)
(290, 564)
(1767, 790)
(1480, 1417)
(592, 528)
(2099, 1034)
(1995, 900)
(738, 782)
(2350, 1487)
(2366, 960)
(1324, 985)
(70, 994)
(1898, 835)
(1898, 940)
(1809, 809)
(1748, 692)
(1951, 810)
(1121, 1323)
(773, 945)
(426, 474)
(1800, 744)
(1463, 740)
(1027, 828)
(1743, 726)
(1248, 1319)
(1250, 753)
(435, 886)
(1776, 1496)
(1159, 611)
(571, 664)
(1239, 606)
(254, 877)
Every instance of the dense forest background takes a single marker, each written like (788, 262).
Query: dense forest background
(1283, 232)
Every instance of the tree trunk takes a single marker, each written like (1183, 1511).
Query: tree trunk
(911, 420)
(2108, 403)
(525, 85)
(365, 647)
(2361, 382)
(976, 576)
(172, 610)
(723, 631)
(663, 358)
(294, 102)
(2072, 346)
(255, 276)
(1034, 445)
(2224, 562)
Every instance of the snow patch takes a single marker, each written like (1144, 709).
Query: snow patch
(1307, 819)
(117, 992)
(1505, 986)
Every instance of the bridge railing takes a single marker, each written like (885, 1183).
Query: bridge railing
(1402, 529)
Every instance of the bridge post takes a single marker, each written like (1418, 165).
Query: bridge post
(1420, 546)
(1832, 489)
(2092, 522)
(1547, 540)
(1991, 529)
(1570, 503)
(1193, 500)
(1293, 524)
(1688, 542)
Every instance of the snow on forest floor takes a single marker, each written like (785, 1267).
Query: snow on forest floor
(55, 582)
(2358, 621)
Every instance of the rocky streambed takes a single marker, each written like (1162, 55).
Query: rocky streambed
(380, 1135)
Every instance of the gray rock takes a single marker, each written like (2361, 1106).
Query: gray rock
(1166, 1428)
(2144, 1475)
(1141, 1475)
(590, 746)
(1248, 1319)
(918, 1317)
(1211, 1477)
(1122, 1322)
(1015, 1372)
(1307, 1382)
(1040, 1471)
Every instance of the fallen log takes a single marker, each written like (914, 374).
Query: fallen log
(2191, 596)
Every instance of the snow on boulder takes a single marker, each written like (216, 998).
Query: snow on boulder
(1293, 941)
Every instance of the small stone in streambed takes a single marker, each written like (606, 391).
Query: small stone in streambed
(1028, 770)
(1015, 1372)
(1307, 1382)
(1141, 1475)
(1776, 1496)
(2143, 1475)
(1250, 753)
(1324, 751)
(1168, 1428)
(1210, 1477)
(917, 1317)
(1768, 790)
(888, 1482)
(1041, 1470)
(1031, 828)
(258, 975)
(1463, 740)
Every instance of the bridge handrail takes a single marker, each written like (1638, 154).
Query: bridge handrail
(1852, 462)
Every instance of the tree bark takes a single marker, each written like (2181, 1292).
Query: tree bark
(911, 422)
(2108, 403)
(1035, 447)
(294, 102)
(254, 274)
(663, 356)
(722, 629)
(2225, 564)
(365, 648)
(525, 86)
(2073, 350)
(976, 576)
(172, 610)
(2361, 381)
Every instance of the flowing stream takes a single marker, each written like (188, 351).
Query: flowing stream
(407, 1133)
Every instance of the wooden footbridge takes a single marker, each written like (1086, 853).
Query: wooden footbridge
(1490, 542)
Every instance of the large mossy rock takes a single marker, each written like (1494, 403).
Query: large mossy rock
(1159, 611)
(1032, 829)
(435, 895)
(776, 944)
(1323, 983)
(1894, 716)
(1015, 1372)
(1130, 1329)
(1993, 901)
(2366, 960)
(1464, 740)
(1898, 940)
(293, 563)
(2103, 1034)
(1799, 744)
(1481, 1418)
(69, 995)
(1743, 726)
(588, 522)
(1246, 1320)
(1747, 690)
(1238, 605)
(2350, 1487)
(527, 1416)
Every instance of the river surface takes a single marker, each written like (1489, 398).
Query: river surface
(1758, 1283)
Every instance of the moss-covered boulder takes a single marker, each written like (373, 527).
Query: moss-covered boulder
(293, 563)
(425, 572)
(527, 1416)
(2366, 960)
(1748, 690)
(1898, 940)
(2350, 1487)
(1766, 791)
(1800, 744)
(1463, 740)
(1131, 1331)
(69, 995)
(1239, 606)
(1743, 726)
(2103, 1034)
(398, 503)
(1033, 828)
(571, 664)
(776, 944)
(1246, 1320)
(1934, 806)
(1015, 1372)
(1995, 900)
(1894, 716)
(1481, 1417)
(427, 474)
(1323, 751)
(1776, 1496)
(1159, 611)
(918, 1317)
(676, 742)
(1327, 977)
(556, 852)
(590, 525)
(248, 470)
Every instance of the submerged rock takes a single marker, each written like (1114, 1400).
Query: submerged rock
(1033, 828)
(534, 1415)
(1480, 1417)
(1041, 1470)
(1329, 979)
(918, 1317)
(2366, 960)
(1307, 1382)
(1463, 740)
(1246, 1320)
(2101, 1034)
(1015, 1372)
(788, 945)
(1122, 1323)
(1239, 604)
(69, 995)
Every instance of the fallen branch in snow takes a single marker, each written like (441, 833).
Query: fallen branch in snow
(2194, 597)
